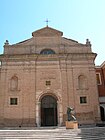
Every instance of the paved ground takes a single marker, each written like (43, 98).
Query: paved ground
(91, 133)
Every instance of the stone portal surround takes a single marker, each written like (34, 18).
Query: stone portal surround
(59, 110)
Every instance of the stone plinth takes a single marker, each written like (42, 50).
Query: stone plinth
(71, 124)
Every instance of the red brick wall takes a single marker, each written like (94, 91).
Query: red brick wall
(101, 88)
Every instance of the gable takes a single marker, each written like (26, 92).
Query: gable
(47, 38)
(46, 32)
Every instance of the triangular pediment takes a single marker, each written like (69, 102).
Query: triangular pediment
(47, 31)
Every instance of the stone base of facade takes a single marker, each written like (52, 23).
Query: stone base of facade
(31, 122)
(19, 123)
(71, 125)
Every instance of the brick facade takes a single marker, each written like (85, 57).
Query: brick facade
(47, 66)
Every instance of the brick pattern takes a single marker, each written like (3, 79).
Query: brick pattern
(33, 70)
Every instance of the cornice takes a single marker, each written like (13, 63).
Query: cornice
(36, 57)
(101, 66)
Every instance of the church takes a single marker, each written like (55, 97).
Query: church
(42, 76)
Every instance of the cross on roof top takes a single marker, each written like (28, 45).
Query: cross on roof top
(47, 21)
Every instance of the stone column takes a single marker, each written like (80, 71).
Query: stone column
(38, 120)
(60, 113)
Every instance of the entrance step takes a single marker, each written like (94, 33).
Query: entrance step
(95, 133)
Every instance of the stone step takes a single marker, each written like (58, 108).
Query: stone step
(96, 133)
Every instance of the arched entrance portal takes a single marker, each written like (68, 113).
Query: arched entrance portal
(48, 111)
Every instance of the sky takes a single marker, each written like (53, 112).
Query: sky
(77, 19)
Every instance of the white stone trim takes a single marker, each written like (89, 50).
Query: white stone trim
(59, 108)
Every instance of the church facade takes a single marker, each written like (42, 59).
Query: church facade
(42, 76)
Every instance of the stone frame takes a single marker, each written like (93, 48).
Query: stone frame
(59, 108)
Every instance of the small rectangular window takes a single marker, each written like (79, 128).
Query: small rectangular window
(98, 78)
(48, 83)
(13, 101)
(83, 100)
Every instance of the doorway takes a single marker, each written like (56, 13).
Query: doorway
(48, 111)
(102, 113)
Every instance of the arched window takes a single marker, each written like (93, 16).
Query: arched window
(47, 51)
(82, 82)
(14, 83)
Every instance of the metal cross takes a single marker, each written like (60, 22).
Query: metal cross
(47, 21)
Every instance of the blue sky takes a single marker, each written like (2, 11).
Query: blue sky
(78, 19)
